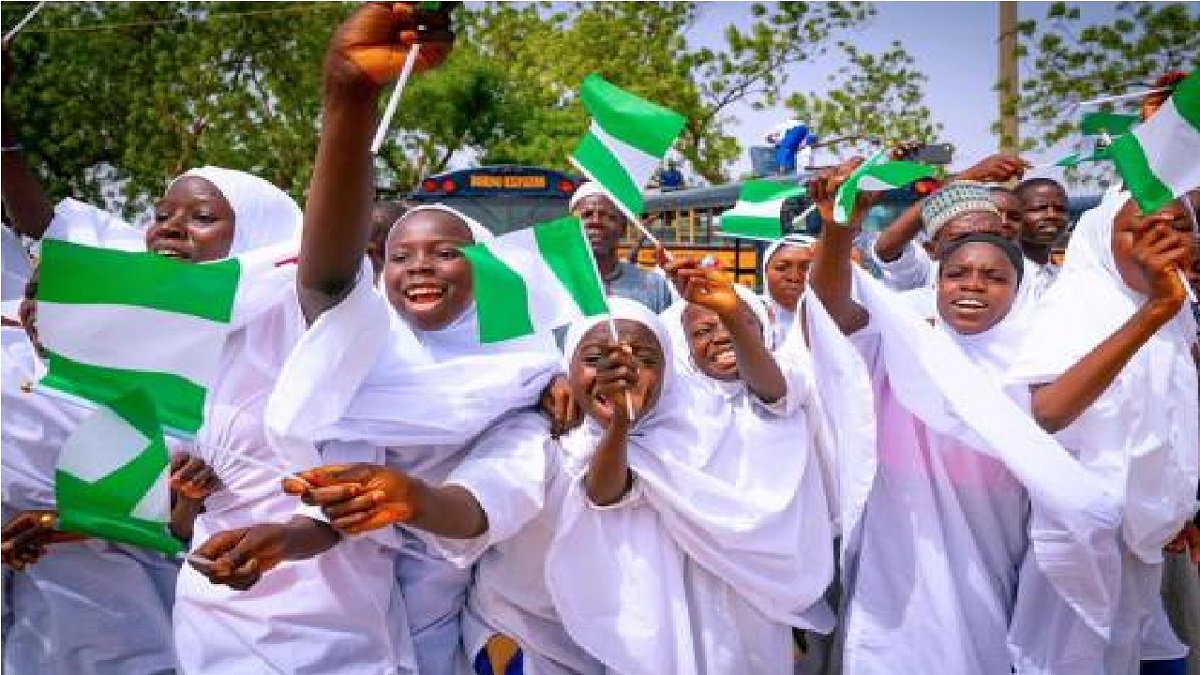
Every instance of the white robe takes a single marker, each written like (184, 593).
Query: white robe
(722, 546)
(90, 607)
(1139, 438)
(935, 474)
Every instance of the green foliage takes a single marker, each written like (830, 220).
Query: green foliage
(165, 87)
(132, 93)
(1066, 61)
(878, 96)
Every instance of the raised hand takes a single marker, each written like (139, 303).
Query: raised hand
(192, 477)
(712, 289)
(995, 169)
(823, 189)
(1160, 251)
(370, 46)
(26, 536)
(616, 377)
(359, 498)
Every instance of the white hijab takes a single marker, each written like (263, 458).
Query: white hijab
(1141, 436)
(362, 373)
(729, 489)
(784, 318)
(263, 215)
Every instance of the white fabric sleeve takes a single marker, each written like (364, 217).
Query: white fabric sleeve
(81, 223)
(913, 269)
(507, 471)
(632, 497)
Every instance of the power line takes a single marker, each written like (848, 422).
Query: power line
(321, 7)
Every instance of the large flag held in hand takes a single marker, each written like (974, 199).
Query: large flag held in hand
(875, 174)
(626, 143)
(112, 321)
(757, 213)
(1158, 160)
(111, 480)
(534, 280)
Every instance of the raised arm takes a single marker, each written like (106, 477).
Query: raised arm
(830, 275)
(899, 234)
(366, 52)
(29, 208)
(1159, 252)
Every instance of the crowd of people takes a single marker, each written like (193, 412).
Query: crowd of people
(982, 461)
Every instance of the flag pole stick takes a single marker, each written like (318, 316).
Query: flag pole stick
(253, 461)
(394, 102)
(21, 24)
(1122, 97)
(612, 324)
(1187, 286)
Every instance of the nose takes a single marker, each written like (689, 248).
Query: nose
(419, 262)
(171, 227)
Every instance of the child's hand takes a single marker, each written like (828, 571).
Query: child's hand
(370, 46)
(26, 536)
(1160, 252)
(712, 289)
(823, 189)
(238, 558)
(192, 477)
(359, 498)
(562, 409)
(616, 376)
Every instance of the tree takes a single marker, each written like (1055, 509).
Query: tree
(1066, 62)
(877, 96)
(135, 93)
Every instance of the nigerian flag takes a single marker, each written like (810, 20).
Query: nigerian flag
(877, 173)
(626, 142)
(111, 479)
(534, 279)
(1076, 158)
(756, 215)
(112, 321)
(1158, 160)
(1113, 124)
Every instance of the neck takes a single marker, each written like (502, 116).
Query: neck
(606, 263)
(1038, 253)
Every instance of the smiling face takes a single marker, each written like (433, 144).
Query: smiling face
(192, 222)
(426, 276)
(976, 286)
(1045, 216)
(710, 343)
(787, 272)
(603, 222)
(647, 353)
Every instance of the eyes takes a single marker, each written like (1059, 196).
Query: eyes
(598, 214)
(995, 276)
(162, 215)
(446, 253)
(644, 357)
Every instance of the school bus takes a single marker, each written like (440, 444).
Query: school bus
(509, 197)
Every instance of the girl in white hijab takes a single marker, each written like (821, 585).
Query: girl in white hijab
(784, 273)
(937, 460)
(63, 606)
(1140, 436)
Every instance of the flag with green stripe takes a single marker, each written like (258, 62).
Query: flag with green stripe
(1076, 158)
(111, 321)
(1112, 124)
(876, 174)
(1158, 160)
(111, 479)
(534, 280)
(758, 211)
(627, 140)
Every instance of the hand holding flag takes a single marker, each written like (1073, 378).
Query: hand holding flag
(874, 175)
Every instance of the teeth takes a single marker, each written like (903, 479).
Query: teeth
(726, 358)
(970, 304)
(424, 294)
(168, 253)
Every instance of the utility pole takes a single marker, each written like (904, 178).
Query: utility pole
(1009, 84)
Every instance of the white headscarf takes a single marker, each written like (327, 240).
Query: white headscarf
(1141, 436)
(263, 215)
(783, 318)
(362, 373)
(727, 493)
(587, 189)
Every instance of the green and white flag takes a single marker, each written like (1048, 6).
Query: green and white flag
(877, 173)
(534, 280)
(1112, 124)
(1158, 160)
(111, 480)
(757, 213)
(626, 143)
(1076, 158)
(112, 321)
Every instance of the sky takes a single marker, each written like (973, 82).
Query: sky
(953, 43)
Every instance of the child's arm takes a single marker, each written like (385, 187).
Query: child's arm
(238, 558)
(608, 477)
(192, 480)
(1159, 251)
(830, 275)
(367, 51)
